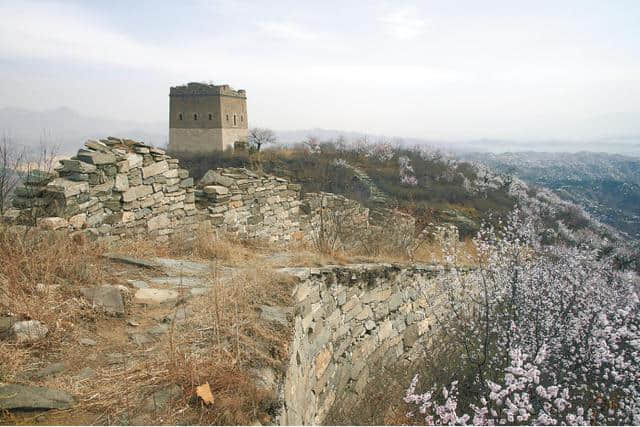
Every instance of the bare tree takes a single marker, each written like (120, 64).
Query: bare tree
(11, 163)
(261, 136)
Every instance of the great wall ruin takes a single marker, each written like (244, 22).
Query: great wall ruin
(116, 188)
(345, 319)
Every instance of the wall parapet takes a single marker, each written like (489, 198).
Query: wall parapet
(348, 318)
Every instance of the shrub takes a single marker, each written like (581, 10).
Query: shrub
(536, 335)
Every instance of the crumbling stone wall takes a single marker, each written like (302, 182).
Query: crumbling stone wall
(116, 188)
(348, 319)
(238, 200)
(112, 188)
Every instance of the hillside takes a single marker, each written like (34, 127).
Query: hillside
(432, 187)
(606, 185)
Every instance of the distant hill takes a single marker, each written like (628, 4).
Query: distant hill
(606, 185)
(69, 129)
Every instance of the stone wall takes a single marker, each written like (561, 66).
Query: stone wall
(112, 188)
(239, 201)
(347, 320)
(116, 188)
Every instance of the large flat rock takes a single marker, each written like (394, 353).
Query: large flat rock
(107, 297)
(155, 296)
(16, 396)
(186, 267)
(29, 330)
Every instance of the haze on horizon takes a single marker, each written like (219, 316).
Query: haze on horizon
(437, 69)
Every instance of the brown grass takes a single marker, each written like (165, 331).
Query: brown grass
(207, 244)
(40, 276)
(227, 324)
(222, 342)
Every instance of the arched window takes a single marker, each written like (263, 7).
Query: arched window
(241, 118)
(195, 116)
(210, 116)
(227, 117)
(234, 120)
(179, 116)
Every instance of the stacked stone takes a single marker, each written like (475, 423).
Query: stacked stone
(31, 200)
(239, 201)
(350, 322)
(120, 187)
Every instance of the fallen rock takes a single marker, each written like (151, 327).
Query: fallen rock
(138, 284)
(45, 289)
(50, 370)
(155, 296)
(29, 330)
(140, 339)
(107, 297)
(78, 221)
(216, 189)
(15, 396)
(213, 177)
(88, 342)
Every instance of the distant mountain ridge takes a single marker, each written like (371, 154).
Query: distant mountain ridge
(606, 185)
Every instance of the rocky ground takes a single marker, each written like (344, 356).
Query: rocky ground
(117, 367)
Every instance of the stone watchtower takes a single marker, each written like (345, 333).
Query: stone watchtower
(206, 118)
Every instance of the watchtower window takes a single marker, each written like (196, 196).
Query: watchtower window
(179, 116)
(195, 116)
(234, 120)
(210, 116)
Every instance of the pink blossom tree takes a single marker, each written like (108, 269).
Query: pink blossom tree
(542, 334)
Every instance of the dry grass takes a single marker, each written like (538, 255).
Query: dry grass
(41, 274)
(226, 339)
(223, 341)
(207, 244)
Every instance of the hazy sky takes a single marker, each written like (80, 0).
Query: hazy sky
(435, 69)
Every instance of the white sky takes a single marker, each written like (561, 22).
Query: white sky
(431, 69)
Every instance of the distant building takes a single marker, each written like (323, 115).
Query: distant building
(206, 118)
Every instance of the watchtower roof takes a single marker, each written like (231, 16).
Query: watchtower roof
(195, 88)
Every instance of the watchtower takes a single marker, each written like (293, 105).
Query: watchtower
(205, 117)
